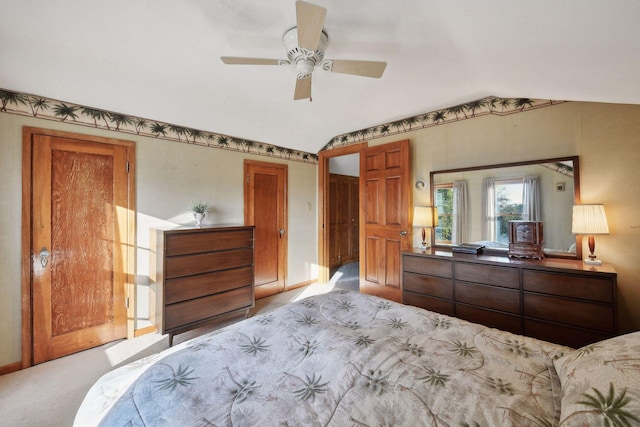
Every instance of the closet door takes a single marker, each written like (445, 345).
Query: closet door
(80, 226)
(265, 207)
(335, 248)
(352, 222)
(343, 219)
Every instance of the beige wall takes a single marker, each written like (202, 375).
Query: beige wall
(169, 176)
(606, 137)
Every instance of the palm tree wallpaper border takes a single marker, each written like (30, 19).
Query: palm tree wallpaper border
(481, 107)
(49, 109)
(44, 108)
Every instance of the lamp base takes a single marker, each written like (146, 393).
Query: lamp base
(592, 261)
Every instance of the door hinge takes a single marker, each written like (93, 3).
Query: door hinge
(247, 178)
(126, 302)
(127, 166)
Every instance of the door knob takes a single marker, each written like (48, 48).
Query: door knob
(44, 257)
(282, 232)
(403, 233)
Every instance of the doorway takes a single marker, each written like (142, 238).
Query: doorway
(325, 160)
(344, 220)
(384, 214)
(78, 238)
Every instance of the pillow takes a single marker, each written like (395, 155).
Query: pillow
(601, 383)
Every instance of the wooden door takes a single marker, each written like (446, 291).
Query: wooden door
(265, 207)
(353, 235)
(343, 219)
(81, 239)
(387, 205)
(334, 221)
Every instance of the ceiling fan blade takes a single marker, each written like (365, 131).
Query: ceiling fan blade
(310, 21)
(357, 68)
(249, 61)
(303, 89)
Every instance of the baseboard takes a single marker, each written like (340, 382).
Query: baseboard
(143, 331)
(13, 367)
(300, 285)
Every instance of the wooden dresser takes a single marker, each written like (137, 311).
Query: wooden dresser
(558, 300)
(202, 275)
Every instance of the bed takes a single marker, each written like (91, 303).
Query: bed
(344, 358)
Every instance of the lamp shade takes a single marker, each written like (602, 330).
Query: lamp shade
(423, 216)
(589, 219)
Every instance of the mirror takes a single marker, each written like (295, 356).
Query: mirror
(542, 190)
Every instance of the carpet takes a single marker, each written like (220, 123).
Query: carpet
(346, 277)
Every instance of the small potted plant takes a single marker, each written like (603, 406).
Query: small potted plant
(199, 211)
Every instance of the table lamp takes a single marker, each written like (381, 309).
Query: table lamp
(423, 217)
(590, 220)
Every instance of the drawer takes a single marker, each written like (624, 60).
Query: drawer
(422, 265)
(428, 303)
(574, 286)
(215, 240)
(190, 287)
(488, 274)
(575, 313)
(183, 313)
(188, 265)
(560, 334)
(488, 297)
(493, 319)
(429, 285)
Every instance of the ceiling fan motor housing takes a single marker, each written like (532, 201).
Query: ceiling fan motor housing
(304, 59)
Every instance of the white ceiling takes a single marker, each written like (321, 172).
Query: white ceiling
(159, 59)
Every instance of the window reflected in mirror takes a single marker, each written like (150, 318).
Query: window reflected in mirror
(444, 204)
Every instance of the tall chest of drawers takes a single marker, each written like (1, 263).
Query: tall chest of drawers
(201, 275)
(558, 300)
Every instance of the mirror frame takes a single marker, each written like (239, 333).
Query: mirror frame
(576, 199)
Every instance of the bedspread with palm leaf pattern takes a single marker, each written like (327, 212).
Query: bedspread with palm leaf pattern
(338, 359)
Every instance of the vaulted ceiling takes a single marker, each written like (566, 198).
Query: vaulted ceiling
(161, 59)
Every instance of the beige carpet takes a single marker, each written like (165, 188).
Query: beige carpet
(49, 394)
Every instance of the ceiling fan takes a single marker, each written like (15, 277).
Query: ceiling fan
(305, 45)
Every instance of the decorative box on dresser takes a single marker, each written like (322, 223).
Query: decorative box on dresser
(202, 275)
(559, 300)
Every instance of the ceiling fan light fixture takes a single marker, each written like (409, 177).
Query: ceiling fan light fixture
(304, 67)
(297, 54)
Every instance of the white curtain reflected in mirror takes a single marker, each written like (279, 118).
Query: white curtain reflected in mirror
(489, 218)
(531, 199)
(459, 223)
